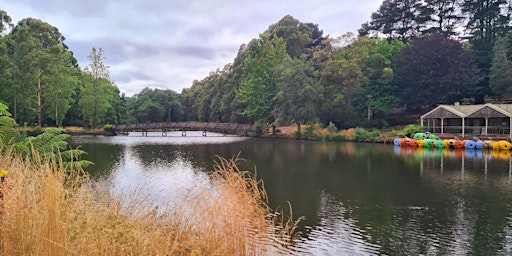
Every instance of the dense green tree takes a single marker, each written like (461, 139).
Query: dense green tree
(487, 20)
(501, 69)
(197, 100)
(156, 105)
(260, 85)
(60, 86)
(97, 91)
(378, 94)
(341, 80)
(298, 95)
(37, 50)
(434, 70)
(300, 38)
(96, 97)
(6, 66)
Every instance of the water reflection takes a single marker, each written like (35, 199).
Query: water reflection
(420, 153)
(336, 233)
(158, 183)
(358, 199)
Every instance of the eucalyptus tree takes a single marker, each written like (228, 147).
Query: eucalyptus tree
(341, 81)
(61, 82)
(298, 96)
(260, 84)
(5, 21)
(38, 51)
(6, 66)
(379, 92)
(300, 38)
(157, 105)
(197, 99)
(97, 90)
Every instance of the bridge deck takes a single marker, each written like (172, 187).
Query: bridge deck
(187, 126)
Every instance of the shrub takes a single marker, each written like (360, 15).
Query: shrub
(361, 134)
(332, 127)
(335, 137)
(109, 130)
(412, 129)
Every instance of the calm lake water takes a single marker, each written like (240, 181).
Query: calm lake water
(358, 199)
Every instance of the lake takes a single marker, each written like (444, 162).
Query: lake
(357, 198)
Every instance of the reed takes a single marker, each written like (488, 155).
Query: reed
(46, 210)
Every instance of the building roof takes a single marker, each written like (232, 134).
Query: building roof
(470, 111)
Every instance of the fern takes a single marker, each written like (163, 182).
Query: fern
(4, 110)
(50, 145)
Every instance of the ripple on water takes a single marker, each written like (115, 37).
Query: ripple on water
(336, 233)
(408, 231)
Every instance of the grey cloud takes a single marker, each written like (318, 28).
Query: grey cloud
(127, 76)
(194, 51)
(170, 43)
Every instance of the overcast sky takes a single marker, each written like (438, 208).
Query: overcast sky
(168, 44)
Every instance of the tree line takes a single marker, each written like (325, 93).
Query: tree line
(411, 56)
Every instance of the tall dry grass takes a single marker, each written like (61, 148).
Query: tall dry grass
(48, 211)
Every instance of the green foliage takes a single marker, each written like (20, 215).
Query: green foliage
(8, 133)
(298, 94)
(50, 145)
(108, 129)
(363, 135)
(501, 69)
(291, 72)
(155, 105)
(412, 129)
(487, 21)
(259, 88)
(335, 137)
(332, 127)
(409, 131)
(449, 75)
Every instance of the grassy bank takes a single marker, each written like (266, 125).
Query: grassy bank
(318, 132)
(48, 211)
(71, 130)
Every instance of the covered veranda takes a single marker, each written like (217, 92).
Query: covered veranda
(491, 120)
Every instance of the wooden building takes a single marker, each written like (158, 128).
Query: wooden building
(491, 120)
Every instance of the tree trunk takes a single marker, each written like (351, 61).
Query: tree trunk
(15, 114)
(56, 116)
(39, 106)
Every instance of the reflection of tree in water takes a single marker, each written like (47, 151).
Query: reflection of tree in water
(201, 157)
(154, 154)
(104, 157)
(429, 202)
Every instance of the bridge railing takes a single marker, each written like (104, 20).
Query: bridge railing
(187, 126)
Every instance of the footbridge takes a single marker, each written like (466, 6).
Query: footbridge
(164, 127)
